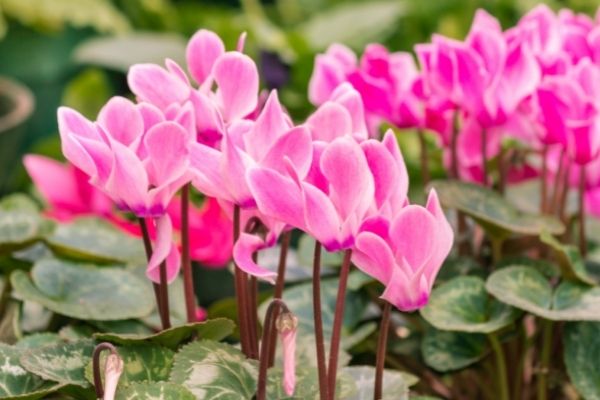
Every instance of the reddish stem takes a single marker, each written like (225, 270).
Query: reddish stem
(384, 329)
(186, 262)
(280, 283)
(318, 322)
(241, 284)
(582, 234)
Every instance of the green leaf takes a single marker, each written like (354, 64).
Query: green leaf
(307, 384)
(154, 391)
(570, 260)
(493, 212)
(324, 27)
(448, 351)
(93, 239)
(38, 340)
(18, 383)
(19, 202)
(83, 291)
(395, 383)
(60, 362)
(582, 351)
(214, 329)
(462, 304)
(212, 370)
(19, 229)
(142, 362)
(10, 331)
(121, 52)
(124, 326)
(177, 307)
(527, 289)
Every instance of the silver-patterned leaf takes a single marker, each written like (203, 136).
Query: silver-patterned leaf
(582, 352)
(448, 351)
(154, 391)
(395, 383)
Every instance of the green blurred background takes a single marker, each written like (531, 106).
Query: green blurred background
(76, 52)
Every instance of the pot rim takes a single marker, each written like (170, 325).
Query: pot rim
(23, 103)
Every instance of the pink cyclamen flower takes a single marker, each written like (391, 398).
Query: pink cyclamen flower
(138, 158)
(287, 326)
(405, 252)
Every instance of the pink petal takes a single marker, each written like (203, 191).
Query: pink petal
(72, 125)
(168, 152)
(277, 196)
(384, 170)
(233, 170)
(163, 251)
(351, 100)
(128, 181)
(322, 220)
(206, 166)
(209, 123)
(373, 256)
(176, 70)
(271, 123)
(351, 185)
(243, 250)
(151, 115)
(296, 146)
(203, 49)
(330, 70)
(288, 343)
(121, 120)
(237, 78)
(443, 238)
(330, 121)
(412, 233)
(406, 293)
(153, 84)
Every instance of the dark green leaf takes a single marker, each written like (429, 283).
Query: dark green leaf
(154, 391)
(582, 352)
(448, 351)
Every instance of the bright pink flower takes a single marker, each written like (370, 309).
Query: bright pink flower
(406, 252)
(138, 158)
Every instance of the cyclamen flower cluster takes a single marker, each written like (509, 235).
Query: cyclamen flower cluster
(324, 176)
(536, 82)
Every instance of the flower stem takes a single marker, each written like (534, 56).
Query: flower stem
(582, 235)
(241, 284)
(424, 158)
(318, 322)
(280, 283)
(484, 157)
(554, 204)
(543, 181)
(98, 386)
(253, 316)
(500, 366)
(542, 385)
(186, 262)
(161, 291)
(384, 329)
(334, 347)
(268, 344)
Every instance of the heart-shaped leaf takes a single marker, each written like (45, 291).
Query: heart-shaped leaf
(582, 352)
(527, 289)
(124, 326)
(462, 304)
(448, 351)
(84, 291)
(97, 240)
(395, 383)
(38, 340)
(154, 391)
(19, 229)
(214, 329)
(60, 362)
(18, 383)
(141, 362)
(307, 384)
(492, 211)
(569, 258)
(212, 370)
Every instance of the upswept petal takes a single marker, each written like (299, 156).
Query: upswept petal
(206, 166)
(233, 170)
(128, 181)
(168, 152)
(351, 100)
(271, 123)
(237, 78)
(154, 84)
(322, 220)
(244, 248)
(330, 121)
(296, 146)
(121, 119)
(203, 49)
(384, 170)
(163, 251)
(373, 256)
(406, 293)
(209, 123)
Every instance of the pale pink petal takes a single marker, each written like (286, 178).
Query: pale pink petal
(151, 115)
(163, 251)
(209, 123)
(243, 250)
(351, 100)
(330, 70)
(128, 181)
(100, 156)
(296, 146)
(153, 84)
(176, 70)
(288, 343)
(206, 166)
(203, 49)
(406, 293)
(443, 239)
(330, 121)
(72, 126)
(168, 149)
(322, 220)
(121, 120)
(384, 170)
(413, 234)
(237, 78)
(234, 167)
(373, 256)
(351, 185)
(271, 123)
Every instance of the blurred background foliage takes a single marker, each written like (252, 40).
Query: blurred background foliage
(76, 52)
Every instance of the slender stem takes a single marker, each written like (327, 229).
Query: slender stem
(565, 191)
(98, 386)
(252, 311)
(554, 205)
(496, 249)
(240, 282)
(160, 289)
(484, 157)
(318, 322)
(500, 366)
(267, 343)
(463, 245)
(582, 235)
(454, 171)
(186, 262)
(502, 165)
(518, 375)
(280, 283)
(542, 385)
(424, 158)
(338, 318)
(543, 181)
(5, 295)
(384, 329)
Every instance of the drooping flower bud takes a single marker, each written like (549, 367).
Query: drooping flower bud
(287, 326)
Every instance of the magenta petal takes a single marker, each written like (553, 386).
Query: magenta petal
(128, 181)
(167, 145)
(209, 123)
(121, 120)
(202, 51)
(373, 256)
(243, 250)
(237, 78)
(345, 166)
(155, 85)
(406, 293)
(276, 196)
(163, 251)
